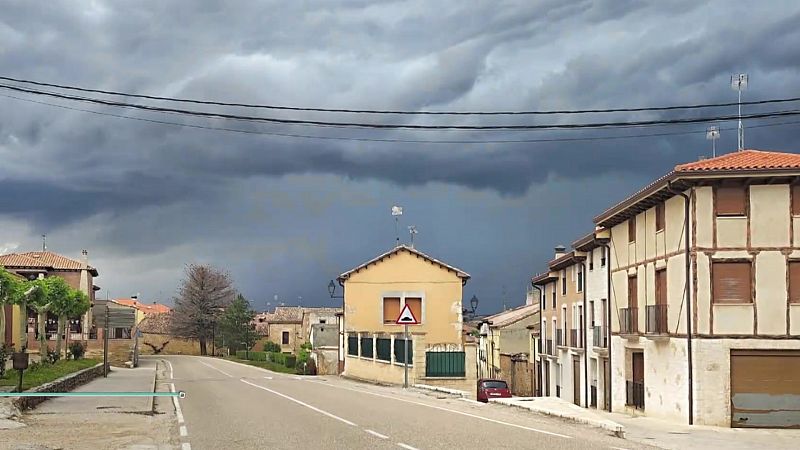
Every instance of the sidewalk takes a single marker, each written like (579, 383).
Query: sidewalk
(554, 406)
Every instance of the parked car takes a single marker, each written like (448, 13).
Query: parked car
(492, 389)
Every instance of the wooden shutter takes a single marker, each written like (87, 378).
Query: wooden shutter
(796, 199)
(660, 217)
(391, 309)
(633, 299)
(794, 282)
(632, 229)
(415, 304)
(661, 287)
(731, 201)
(732, 283)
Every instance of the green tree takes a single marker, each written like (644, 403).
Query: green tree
(10, 294)
(50, 294)
(74, 303)
(236, 325)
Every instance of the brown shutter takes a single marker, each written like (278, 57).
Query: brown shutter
(796, 200)
(659, 217)
(391, 309)
(415, 305)
(794, 282)
(732, 282)
(633, 300)
(632, 229)
(731, 201)
(661, 287)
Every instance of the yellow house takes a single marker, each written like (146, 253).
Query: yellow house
(374, 295)
(13, 320)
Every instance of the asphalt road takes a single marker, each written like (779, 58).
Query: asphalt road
(233, 406)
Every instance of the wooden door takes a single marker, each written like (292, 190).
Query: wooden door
(638, 367)
(546, 378)
(576, 381)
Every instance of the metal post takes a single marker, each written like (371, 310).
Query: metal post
(405, 360)
(19, 383)
(105, 346)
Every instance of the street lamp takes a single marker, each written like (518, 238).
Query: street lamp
(332, 290)
(473, 303)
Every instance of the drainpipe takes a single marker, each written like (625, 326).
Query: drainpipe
(688, 298)
(607, 250)
(536, 351)
(585, 342)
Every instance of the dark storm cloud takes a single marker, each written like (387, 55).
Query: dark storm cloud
(156, 196)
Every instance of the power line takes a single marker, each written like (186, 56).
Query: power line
(387, 140)
(643, 123)
(398, 112)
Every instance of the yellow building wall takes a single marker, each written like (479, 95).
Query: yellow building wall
(441, 291)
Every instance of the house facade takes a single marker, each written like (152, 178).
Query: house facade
(374, 295)
(290, 326)
(705, 293)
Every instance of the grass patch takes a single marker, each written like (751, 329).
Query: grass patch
(275, 367)
(41, 374)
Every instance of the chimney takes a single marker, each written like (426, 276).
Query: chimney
(85, 255)
(560, 251)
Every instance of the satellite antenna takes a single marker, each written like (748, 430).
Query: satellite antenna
(739, 83)
(712, 134)
(412, 230)
(397, 211)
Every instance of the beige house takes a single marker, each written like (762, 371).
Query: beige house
(374, 295)
(290, 326)
(736, 285)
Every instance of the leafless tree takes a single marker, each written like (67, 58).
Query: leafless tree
(204, 293)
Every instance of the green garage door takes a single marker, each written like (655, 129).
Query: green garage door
(765, 389)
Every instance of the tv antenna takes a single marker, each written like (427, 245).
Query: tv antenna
(412, 230)
(397, 211)
(739, 83)
(44, 242)
(712, 134)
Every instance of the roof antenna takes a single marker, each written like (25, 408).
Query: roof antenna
(739, 83)
(712, 134)
(397, 211)
(412, 230)
(44, 242)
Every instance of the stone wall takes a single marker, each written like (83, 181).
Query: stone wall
(169, 345)
(63, 384)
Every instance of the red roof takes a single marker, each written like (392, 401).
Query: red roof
(744, 160)
(44, 260)
(153, 308)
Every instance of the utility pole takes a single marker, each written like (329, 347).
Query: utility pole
(739, 83)
(405, 358)
(397, 211)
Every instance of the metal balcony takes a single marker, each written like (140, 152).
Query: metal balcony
(629, 320)
(656, 320)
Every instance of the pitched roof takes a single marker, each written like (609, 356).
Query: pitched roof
(44, 260)
(153, 308)
(460, 273)
(511, 316)
(743, 163)
(156, 324)
(283, 314)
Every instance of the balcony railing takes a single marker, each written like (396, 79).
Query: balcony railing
(634, 394)
(656, 319)
(560, 337)
(629, 320)
(600, 337)
(573, 338)
(549, 345)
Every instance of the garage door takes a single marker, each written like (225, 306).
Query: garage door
(765, 389)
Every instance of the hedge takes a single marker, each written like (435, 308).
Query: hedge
(276, 357)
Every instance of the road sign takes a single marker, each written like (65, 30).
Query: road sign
(406, 317)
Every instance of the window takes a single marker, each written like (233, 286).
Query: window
(580, 278)
(554, 295)
(323, 320)
(632, 229)
(731, 201)
(285, 338)
(563, 282)
(633, 299)
(543, 297)
(352, 345)
(731, 282)
(660, 217)
(794, 281)
(603, 257)
(415, 305)
(391, 309)
(591, 259)
(591, 313)
(661, 287)
(796, 200)
(366, 346)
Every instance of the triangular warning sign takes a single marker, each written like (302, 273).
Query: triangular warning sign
(407, 317)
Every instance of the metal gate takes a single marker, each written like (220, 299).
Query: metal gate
(445, 364)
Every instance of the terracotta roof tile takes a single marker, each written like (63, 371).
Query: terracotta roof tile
(48, 260)
(17, 260)
(156, 324)
(744, 160)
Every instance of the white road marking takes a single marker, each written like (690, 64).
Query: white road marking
(448, 410)
(218, 370)
(183, 431)
(171, 372)
(376, 434)
(267, 378)
(618, 448)
(406, 446)
(472, 401)
(314, 408)
(186, 446)
(178, 412)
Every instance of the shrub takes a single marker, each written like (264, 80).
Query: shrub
(291, 361)
(77, 350)
(52, 357)
(270, 346)
(278, 358)
(241, 354)
(307, 368)
(258, 356)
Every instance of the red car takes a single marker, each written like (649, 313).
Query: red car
(492, 389)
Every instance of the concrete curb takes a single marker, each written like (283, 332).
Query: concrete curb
(63, 384)
(428, 387)
(608, 425)
(155, 380)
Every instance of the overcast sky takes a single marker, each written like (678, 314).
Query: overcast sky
(285, 215)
